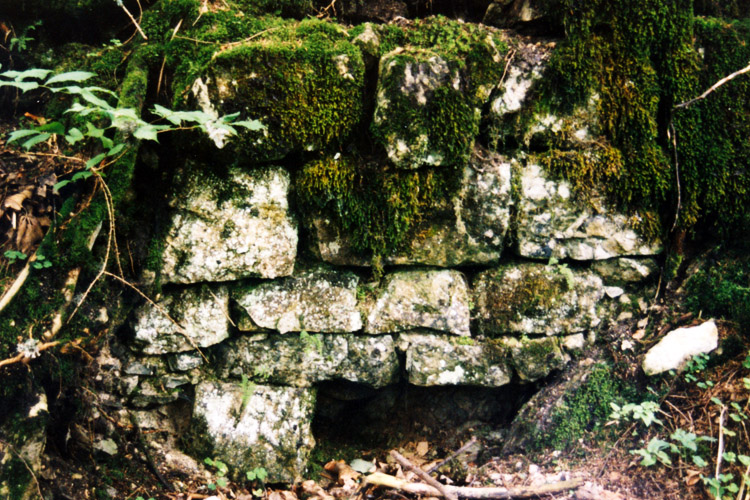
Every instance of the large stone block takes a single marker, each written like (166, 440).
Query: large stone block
(447, 360)
(198, 317)
(231, 228)
(317, 300)
(469, 228)
(434, 299)
(536, 299)
(552, 223)
(302, 361)
(254, 426)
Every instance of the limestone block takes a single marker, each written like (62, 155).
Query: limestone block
(552, 224)
(536, 358)
(302, 361)
(470, 228)
(679, 346)
(316, 300)
(435, 299)
(447, 360)
(625, 269)
(536, 299)
(201, 312)
(262, 426)
(233, 228)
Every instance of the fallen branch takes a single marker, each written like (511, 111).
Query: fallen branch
(713, 87)
(380, 479)
(444, 492)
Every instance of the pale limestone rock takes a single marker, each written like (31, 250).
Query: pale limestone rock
(317, 300)
(470, 228)
(435, 299)
(217, 235)
(433, 360)
(536, 299)
(552, 224)
(260, 426)
(625, 269)
(184, 361)
(302, 361)
(679, 346)
(202, 313)
(536, 358)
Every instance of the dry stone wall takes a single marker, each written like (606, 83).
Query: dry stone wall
(261, 303)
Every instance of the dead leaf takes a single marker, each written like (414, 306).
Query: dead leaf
(15, 201)
(282, 495)
(313, 491)
(347, 477)
(422, 448)
(692, 477)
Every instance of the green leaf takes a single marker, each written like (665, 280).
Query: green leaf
(93, 162)
(25, 86)
(230, 117)
(171, 116)
(211, 486)
(20, 134)
(89, 96)
(253, 125)
(717, 401)
(41, 137)
(146, 132)
(53, 127)
(82, 175)
(113, 151)
(744, 460)
(698, 460)
(730, 457)
(71, 76)
(29, 73)
(74, 135)
(222, 481)
(61, 185)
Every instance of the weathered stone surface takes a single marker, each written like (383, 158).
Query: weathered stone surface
(24, 434)
(201, 312)
(447, 360)
(317, 300)
(512, 13)
(625, 270)
(679, 346)
(435, 299)
(315, 101)
(184, 361)
(429, 101)
(536, 299)
(526, 68)
(156, 391)
(536, 358)
(227, 229)
(265, 427)
(577, 129)
(552, 224)
(468, 229)
(304, 361)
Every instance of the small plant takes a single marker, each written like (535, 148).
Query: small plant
(563, 270)
(14, 255)
(257, 475)
(41, 262)
(248, 388)
(221, 472)
(645, 412)
(262, 373)
(20, 42)
(312, 342)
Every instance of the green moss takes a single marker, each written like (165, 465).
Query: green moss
(531, 294)
(378, 207)
(443, 125)
(307, 88)
(583, 411)
(722, 289)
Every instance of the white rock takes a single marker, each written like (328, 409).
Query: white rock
(679, 346)
(613, 291)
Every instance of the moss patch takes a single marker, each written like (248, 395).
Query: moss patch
(378, 207)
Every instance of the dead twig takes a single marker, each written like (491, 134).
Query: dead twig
(380, 479)
(444, 492)
(452, 456)
(133, 20)
(713, 87)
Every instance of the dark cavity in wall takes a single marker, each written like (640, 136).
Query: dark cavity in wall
(351, 416)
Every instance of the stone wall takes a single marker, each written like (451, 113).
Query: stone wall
(501, 282)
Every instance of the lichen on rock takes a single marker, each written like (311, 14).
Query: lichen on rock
(437, 360)
(434, 299)
(316, 300)
(254, 426)
(198, 317)
(230, 228)
(536, 299)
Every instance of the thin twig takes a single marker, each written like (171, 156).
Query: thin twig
(452, 456)
(673, 133)
(132, 19)
(36, 481)
(720, 452)
(713, 87)
(425, 477)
